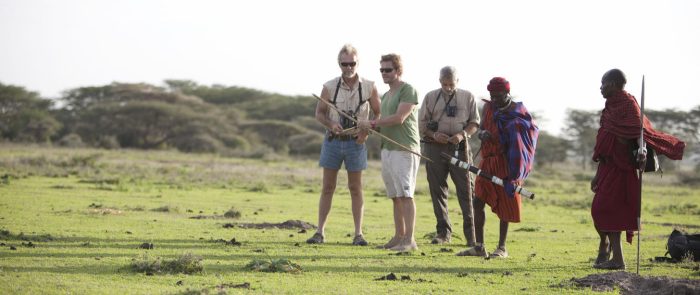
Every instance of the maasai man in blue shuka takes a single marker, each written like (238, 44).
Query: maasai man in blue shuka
(508, 138)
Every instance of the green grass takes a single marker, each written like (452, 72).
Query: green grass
(86, 212)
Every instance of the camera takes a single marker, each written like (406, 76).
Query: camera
(451, 111)
(347, 123)
(432, 126)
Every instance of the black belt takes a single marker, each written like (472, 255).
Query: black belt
(341, 137)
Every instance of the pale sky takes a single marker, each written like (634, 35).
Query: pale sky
(553, 52)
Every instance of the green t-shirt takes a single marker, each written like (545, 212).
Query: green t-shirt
(406, 133)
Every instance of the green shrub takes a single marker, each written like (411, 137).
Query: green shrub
(232, 213)
(71, 140)
(188, 263)
(278, 265)
(166, 208)
(305, 144)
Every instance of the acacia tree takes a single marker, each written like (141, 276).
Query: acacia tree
(682, 124)
(24, 116)
(581, 128)
(550, 149)
(144, 116)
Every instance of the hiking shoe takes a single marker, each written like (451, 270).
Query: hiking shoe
(499, 253)
(317, 238)
(611, 265)
(473, 251)
(441, 239)
(359, 240)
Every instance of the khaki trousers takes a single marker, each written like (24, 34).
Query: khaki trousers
(437, 172)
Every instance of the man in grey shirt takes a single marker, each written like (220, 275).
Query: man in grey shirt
(448, 117)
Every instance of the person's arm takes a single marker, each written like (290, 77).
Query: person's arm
(594, 181)
(402, 112)
(423, 115)
(375, 105)
(322, 111)
(458, 137)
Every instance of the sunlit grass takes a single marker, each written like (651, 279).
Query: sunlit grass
(88, 212)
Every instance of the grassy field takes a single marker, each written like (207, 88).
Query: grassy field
(73, 221)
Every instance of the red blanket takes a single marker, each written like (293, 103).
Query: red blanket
(617, 197)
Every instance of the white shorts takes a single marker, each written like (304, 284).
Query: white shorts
(399, 171)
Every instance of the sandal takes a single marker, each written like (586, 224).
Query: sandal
(602, 257)
(391, 243)
(317, 238)
(359, 240)
(499, 253)
(610, 265)
(473, 251)
(405, 246)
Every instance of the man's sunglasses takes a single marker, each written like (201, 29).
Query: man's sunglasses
(386, 70)
(348, 64)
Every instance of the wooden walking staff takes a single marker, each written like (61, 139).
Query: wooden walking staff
(641, 172)
(370, 130)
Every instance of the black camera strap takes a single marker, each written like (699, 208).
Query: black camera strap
(359, 90)
(443, 109)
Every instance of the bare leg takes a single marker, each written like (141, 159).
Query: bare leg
(398, 226)
(330, 177)
(479, 220)
(604, 246)
(407, 207)
(503, 234)
(616, 247)
(355, 186)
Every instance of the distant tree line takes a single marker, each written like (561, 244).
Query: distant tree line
(237, 121)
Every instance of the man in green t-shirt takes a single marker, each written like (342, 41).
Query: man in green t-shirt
(399, 122)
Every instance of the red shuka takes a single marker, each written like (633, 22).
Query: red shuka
(493, 160)
(617, 196)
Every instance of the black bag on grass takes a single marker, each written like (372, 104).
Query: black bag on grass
(683, 245)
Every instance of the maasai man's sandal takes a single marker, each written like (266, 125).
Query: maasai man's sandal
(499, 253)
(611, 265)
(474, 251)
(602, 257)
(317, 238)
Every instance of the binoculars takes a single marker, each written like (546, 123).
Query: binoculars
(347, 123)
(432, 126)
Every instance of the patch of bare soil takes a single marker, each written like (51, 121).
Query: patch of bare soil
(232, 242)
(289, 224)
(394, 277)
(102, 210)
(207, 217)
(105, 211)
(630, 283)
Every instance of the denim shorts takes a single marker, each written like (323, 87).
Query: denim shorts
(335, 152)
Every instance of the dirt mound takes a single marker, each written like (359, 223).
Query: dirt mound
(630, 283)
(289, 224)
